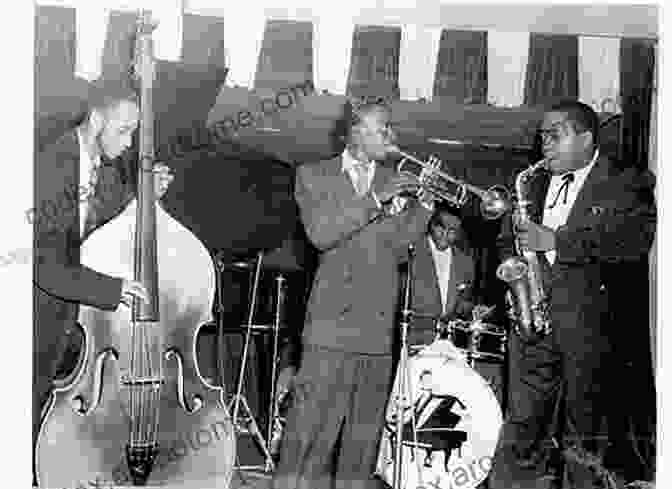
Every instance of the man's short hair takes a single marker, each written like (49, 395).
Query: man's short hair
(105, 94)
(582, 117)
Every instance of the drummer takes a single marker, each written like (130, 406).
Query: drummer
(443, 277)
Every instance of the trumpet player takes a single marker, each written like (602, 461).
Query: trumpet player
(342, 384)
(587, 220)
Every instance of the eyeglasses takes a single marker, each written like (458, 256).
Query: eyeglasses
(555, 133)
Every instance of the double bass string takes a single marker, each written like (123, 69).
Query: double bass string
(131, 386)
(157, 388)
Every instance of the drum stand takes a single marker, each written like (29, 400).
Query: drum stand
(404, 400)
(250, 424)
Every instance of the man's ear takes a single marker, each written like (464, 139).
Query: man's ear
(587, 139)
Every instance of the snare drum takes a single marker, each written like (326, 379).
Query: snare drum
(476, 339)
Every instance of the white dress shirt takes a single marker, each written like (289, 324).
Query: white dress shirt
(442, 262)
(349, 164)
(557, 215)
(88, 170)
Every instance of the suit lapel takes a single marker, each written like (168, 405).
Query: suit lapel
(382, 174)
(427, 268)
(110, 198)
(341, 183)
(598, 173)
(456, 277)
(67, 181)
(538, 190)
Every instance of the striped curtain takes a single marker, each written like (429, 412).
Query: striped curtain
(599, 69)
(552, 70)
(653, 255)
(374, 63)
(332, 49)
(286, 57)
(417, 61)
(462, 68)
(637, 62)
(507, 63)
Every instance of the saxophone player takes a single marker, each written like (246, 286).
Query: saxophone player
(587, 218)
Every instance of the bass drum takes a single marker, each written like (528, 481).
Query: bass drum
(457, 420)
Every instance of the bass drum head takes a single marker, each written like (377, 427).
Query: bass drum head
(458, 422)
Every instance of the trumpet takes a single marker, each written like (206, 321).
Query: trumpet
(495, 201)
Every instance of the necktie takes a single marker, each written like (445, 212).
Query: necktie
(361, 178)
(91, 199)
(567, 179)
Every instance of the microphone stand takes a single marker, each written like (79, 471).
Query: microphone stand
(402, 401)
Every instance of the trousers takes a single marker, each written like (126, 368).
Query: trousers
(334, 426)
(558, 390)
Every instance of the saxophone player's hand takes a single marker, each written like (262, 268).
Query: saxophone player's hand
(534, 236)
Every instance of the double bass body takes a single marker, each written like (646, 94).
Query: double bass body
(90, 425)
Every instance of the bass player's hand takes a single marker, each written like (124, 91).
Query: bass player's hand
(131, 289)
(163, 177)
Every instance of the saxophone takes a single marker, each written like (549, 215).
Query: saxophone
(528, 301)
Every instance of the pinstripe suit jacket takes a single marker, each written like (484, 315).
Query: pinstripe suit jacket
(354, 293)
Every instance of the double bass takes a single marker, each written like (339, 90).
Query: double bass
(137, 410)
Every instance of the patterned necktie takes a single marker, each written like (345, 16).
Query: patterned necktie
(567, 179)
(91, 199)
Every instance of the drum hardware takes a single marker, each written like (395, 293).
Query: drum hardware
(402, 400)
(276, 423)
(477, 340)
(249, 425)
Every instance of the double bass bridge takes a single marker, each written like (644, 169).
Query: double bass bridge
(142, 381)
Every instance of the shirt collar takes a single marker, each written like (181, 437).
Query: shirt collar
(349, 161)
(86, 163)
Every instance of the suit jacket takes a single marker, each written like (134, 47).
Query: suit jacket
(60, 282)
(426, 292)
(354, 293)
(612, 222)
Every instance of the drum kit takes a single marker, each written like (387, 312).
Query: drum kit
(443, 410)
(442, 406)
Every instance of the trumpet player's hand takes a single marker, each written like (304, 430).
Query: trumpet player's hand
(397, 185)
(535, 237)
